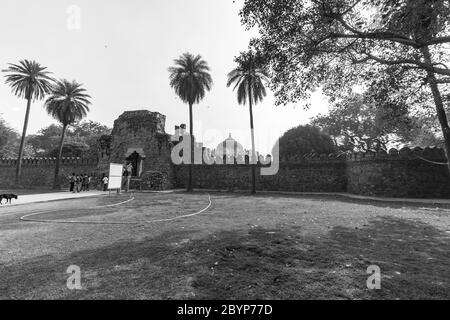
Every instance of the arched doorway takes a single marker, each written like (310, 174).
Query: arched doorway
(136, 158)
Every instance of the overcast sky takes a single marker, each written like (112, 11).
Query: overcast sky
(121, 52)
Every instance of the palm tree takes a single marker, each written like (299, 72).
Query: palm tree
(190, 79)
(68, 103)
(248, 78)
(28, 80)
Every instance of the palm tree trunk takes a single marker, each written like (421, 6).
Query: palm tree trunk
(191, 165)
(58, 160)
(253, 158)
(442, 116)
(22, 141)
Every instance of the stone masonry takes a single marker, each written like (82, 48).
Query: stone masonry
(139, 137)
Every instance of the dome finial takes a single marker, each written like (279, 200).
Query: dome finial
(230, 135)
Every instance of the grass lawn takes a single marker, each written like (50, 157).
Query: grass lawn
(243, 247)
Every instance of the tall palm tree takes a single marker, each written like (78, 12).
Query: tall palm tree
(190, 79)
(248, 78)
(30, 81)
(68, 103)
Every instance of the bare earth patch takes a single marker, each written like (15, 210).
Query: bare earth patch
(243, 247)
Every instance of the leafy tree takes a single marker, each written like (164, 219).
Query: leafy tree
(304, 140)
(340, 43)
(45, 139)
(425, 134)
(69, 150)
(87, 135)
(248, 78)
(357, 123)
(8, 140)
(30, 81)
(87, 129)
(392, 111)
(190, 79)
(68, 103)
(83, 136)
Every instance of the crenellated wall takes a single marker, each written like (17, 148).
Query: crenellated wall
(415, 173)
(39, 172)
(409, 173)
(316, 174)
(47, 161)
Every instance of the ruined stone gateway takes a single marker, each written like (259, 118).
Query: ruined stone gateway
(139, 137)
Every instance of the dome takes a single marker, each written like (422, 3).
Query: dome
(230, 147)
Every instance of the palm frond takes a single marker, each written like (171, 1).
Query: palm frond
(28, 79)
(248, 78)
(68, 102)
(190, 78)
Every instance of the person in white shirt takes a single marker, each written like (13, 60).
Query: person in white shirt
(105, 181)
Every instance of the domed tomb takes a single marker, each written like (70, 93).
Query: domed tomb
(230, 147)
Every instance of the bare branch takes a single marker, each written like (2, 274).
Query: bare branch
(377, 35)
(386, 35)
(443, 81)
(421, 65)
(439, 40)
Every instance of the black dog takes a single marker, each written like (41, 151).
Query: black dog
(8, 197)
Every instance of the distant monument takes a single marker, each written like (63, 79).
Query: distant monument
(230, 147)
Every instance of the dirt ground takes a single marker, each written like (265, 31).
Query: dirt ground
(242, 247)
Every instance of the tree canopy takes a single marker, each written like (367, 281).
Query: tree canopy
(8, 140)
(339, 43)
(190, 78)
(304, 140)
(82, 139)
(249, 78)
(356, 123)
(28, 79)
(68, 102)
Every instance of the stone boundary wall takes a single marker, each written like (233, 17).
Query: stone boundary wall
(406, 173)
(412, 173)
(39, 172)
(306, 176)
(415, 173)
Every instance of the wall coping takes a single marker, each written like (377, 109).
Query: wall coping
(429, 153)
(4, 162)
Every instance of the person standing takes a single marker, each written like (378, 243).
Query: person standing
(72, 178)
(128, 174)
(88, 185)
(79, 181)
(85, 182)
(105, 182)
(129, 169)
(82, 182)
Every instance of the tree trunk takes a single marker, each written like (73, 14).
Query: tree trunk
(22, 141)
(440, 110)
(253, 157)
(58, 159)
(191, 132)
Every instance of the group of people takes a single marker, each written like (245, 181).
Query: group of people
(82, 182)
(79, 182)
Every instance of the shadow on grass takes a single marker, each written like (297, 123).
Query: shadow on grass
(333, 198)
(250, 264)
